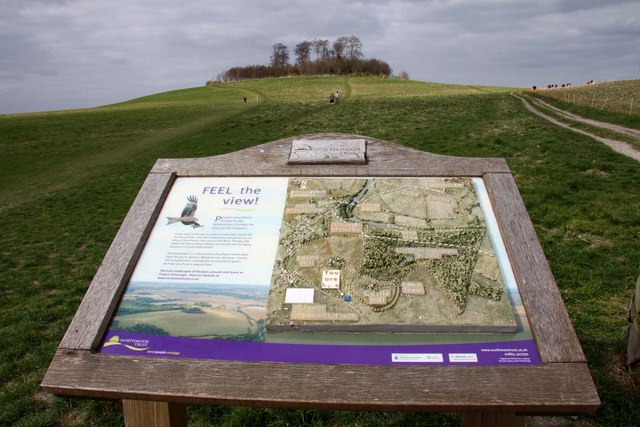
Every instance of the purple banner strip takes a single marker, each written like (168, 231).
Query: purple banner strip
(522, 352)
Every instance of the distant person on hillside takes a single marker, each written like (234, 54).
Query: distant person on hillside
(244, 98)
(337, 97)
(331, 98)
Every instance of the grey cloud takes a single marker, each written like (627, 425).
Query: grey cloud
(63, 54)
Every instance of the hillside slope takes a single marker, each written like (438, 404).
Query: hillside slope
(616, 101)
(48, 151)
(69, 177)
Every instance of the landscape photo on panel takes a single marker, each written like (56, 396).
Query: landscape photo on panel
(387, 255)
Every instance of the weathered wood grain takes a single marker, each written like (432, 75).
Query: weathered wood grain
(102, 297)
(550, 388)
(492, 419)
(550, 323)
(139, 413)
(384, 159)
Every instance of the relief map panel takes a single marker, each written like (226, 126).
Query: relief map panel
(386, 254)
(325, 270)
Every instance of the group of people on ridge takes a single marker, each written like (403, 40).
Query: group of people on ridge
(334, 98)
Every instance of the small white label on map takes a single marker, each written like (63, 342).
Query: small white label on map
(417, 357)
(330, 279)
(299, 296)
(463, 357)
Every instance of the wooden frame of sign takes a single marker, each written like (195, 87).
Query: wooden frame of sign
(159, 389)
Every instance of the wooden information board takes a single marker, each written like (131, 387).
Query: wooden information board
(346, 235)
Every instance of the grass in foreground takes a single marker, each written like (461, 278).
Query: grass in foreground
(70, 177)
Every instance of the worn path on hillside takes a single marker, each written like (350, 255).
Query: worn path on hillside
(597, 123)
(69, 171)
(618, 146)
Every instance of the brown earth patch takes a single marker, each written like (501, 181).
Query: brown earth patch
(596, 172)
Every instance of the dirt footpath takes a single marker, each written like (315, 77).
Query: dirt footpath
(619, 146)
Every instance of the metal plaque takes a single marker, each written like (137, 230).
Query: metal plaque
(328, 151)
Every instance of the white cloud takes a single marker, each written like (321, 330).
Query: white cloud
(63, 54)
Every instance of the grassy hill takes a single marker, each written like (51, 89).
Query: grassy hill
(617, 102)
(69, 177)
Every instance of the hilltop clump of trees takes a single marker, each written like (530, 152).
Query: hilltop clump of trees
(312, 57)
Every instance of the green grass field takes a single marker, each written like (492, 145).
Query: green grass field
(69, 177)
(212, 322)
(617, 102)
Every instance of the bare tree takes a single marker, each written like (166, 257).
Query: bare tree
(303, 52)
(353, 48)
(339, 47)
(321, 47)
(280, 56)
(344, 56)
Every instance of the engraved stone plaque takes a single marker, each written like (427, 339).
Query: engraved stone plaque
(412, 288)
(307, 260)
(328, 151)
(341, 227)
(299, 296)
(330, 279)
(318, 312)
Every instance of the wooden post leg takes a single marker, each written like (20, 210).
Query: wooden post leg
(141, 413)
(492, 419)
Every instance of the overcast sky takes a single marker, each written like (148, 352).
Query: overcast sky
(58, 54)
